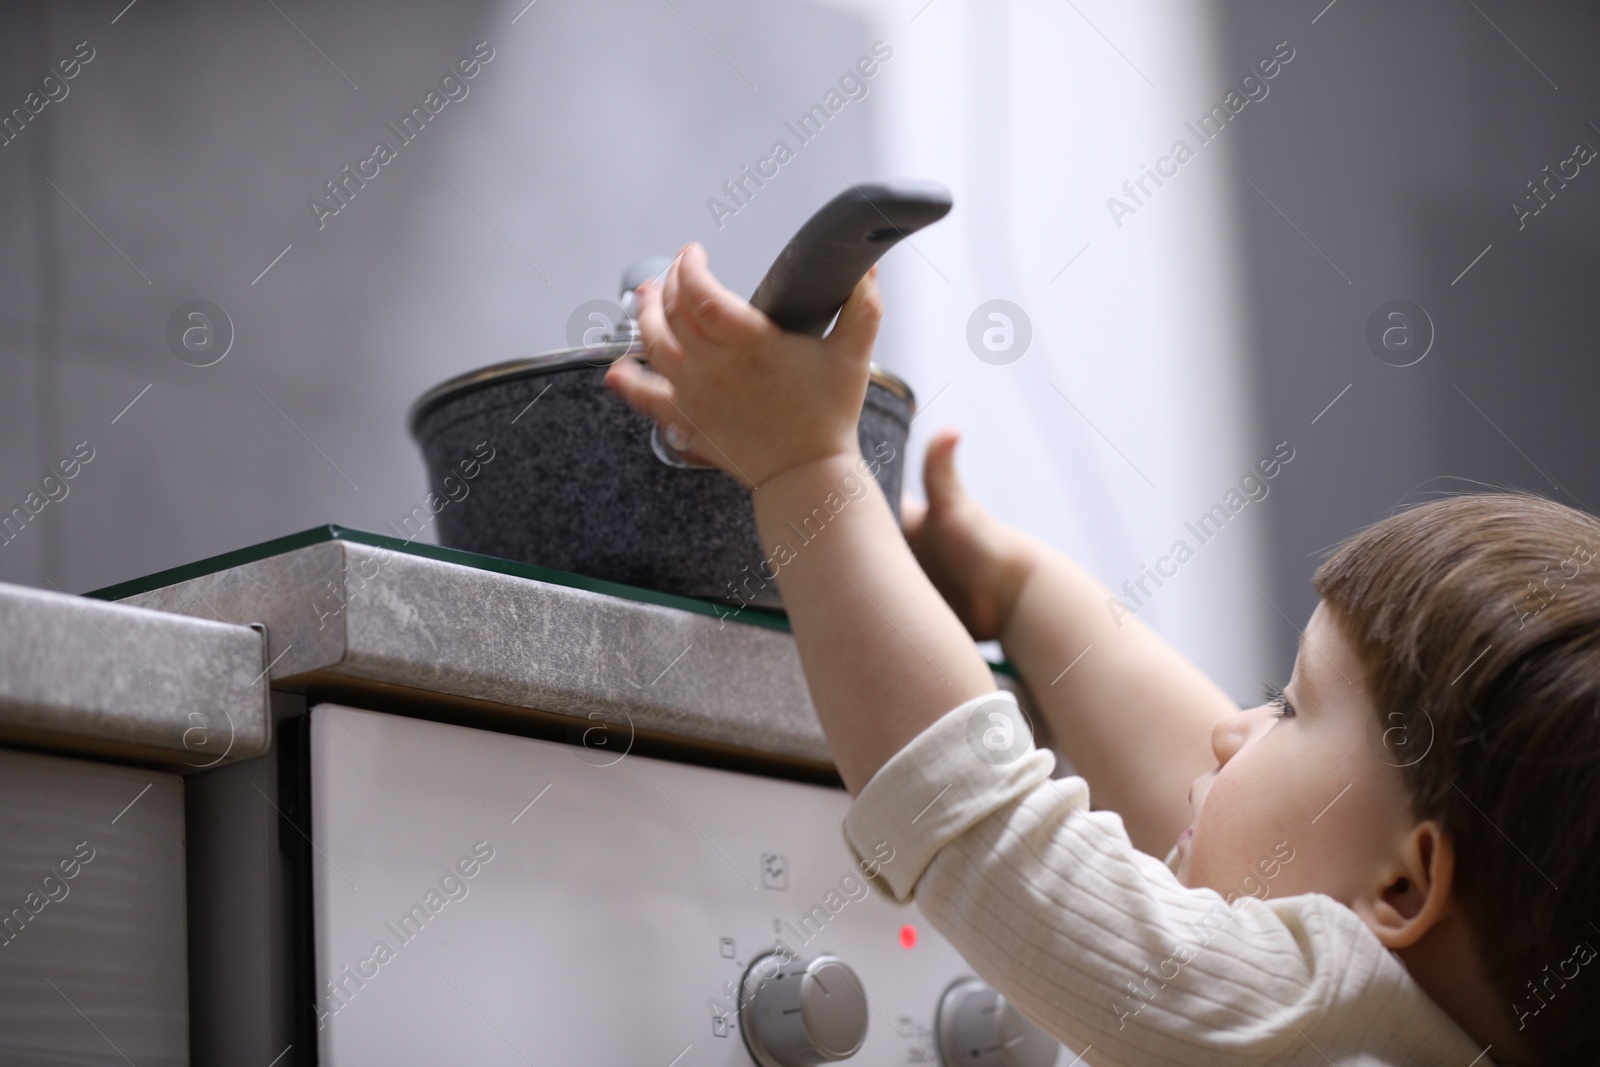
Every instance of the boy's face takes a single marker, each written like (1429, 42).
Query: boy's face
(1311, 801)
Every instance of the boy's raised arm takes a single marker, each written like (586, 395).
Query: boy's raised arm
(884, 656)
(1132, 714)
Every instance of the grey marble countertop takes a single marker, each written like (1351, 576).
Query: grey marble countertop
(120, 682)
(344, 612)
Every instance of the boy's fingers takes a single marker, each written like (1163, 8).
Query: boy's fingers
(648, 394)
(716, 313)
(661, 348)
(912, 512)
(939, 478)
(669, 286)
(672, 297)
(857, 327)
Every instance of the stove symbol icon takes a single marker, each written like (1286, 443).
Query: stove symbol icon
(774, 870)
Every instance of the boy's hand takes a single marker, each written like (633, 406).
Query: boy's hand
(731, 388)
(977, 563)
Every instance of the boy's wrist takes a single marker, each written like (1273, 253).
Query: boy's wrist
(1018, 564)
(828, 467)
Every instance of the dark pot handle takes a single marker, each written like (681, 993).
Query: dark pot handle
(815, 273)
(818, 269)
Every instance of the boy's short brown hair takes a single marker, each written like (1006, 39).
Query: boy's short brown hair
(1477, 621)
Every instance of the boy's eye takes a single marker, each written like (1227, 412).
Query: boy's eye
(1279, 703)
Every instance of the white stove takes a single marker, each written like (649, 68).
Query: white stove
(489, 899)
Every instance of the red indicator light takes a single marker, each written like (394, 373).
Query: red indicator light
(908, 937)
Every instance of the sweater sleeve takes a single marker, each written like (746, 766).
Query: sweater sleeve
(1099, 943)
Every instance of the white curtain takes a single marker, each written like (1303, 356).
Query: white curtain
(1130, 413)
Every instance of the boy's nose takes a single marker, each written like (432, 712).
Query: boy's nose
(1229, 735)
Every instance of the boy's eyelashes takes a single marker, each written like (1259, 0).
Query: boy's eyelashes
(1277, 701)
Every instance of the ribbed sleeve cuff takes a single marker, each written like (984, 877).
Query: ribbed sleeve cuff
(971, 762)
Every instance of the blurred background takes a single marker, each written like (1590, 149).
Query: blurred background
(1178, 331)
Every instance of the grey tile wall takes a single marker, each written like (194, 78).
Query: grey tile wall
(180, 163)
(1396, 143)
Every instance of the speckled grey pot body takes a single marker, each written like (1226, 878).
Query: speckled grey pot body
(574, 485)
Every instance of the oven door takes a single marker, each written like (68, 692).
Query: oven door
(488, 899)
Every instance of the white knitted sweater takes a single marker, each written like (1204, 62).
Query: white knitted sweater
(1100, 944)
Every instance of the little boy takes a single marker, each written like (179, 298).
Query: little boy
(1393, 860)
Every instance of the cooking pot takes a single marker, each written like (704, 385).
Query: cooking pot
(535, 460)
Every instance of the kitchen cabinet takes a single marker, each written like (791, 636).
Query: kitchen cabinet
(102, 709)
(92, 941)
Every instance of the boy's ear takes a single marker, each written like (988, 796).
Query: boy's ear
(1416, 891)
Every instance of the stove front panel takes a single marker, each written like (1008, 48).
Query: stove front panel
(488, 899)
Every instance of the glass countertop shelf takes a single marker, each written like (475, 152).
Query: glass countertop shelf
(750, 616)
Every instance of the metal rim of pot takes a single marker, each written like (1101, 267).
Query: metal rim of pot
(600, 355)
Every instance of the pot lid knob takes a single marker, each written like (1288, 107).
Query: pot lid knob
(639, 272)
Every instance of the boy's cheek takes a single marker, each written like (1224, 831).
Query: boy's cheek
(1244, 814)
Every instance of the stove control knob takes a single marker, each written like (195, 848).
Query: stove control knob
(798, 1013)
(977, 1027)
